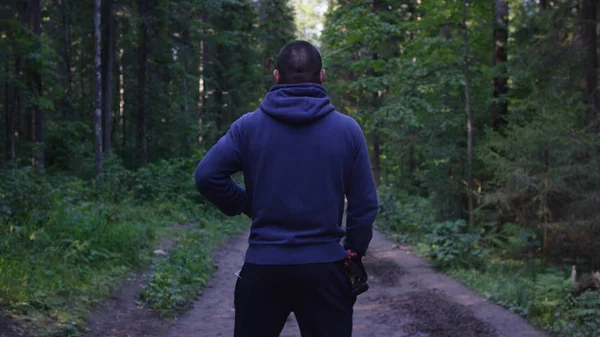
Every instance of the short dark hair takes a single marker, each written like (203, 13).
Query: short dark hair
(299, 62)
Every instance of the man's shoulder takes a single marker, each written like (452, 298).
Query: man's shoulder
(347, 122)
(242, 122)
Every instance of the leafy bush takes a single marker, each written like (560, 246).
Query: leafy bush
(580, 317)
(406, 218)
(65, 240)
(179, 279)
(542, 295)
(451, 245)
(490, 259)
(167, 180)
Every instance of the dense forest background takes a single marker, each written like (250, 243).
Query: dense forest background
(481, 116)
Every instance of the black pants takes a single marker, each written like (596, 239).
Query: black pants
(318, 294)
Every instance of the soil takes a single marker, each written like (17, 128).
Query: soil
(407, 298)
(8, 327)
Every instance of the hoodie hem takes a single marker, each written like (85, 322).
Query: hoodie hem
(295, 254)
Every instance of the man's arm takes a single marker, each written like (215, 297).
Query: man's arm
(213, 174)
(363, 204)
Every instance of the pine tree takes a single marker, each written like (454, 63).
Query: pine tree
(275, 29)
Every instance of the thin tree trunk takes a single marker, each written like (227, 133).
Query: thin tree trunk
(8, 123)
(108, 58)
(263, 21)
(186, 87)
(122, 100)
(35, 17)
(500, 56)
(16, 108)
(543, 4)
(468, 111)
(142, 153)
(375, 141)
(376, 5)
(590, 36)
(376, 155)
(217, 95)
(68, 53)
(65, 67)
(203, 67)
(412, 165)
(98, 71)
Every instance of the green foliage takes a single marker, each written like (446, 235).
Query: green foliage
(490, 260)
(276, 28)
(580, 317)
(397, 67)
(177, 280)
(451, 245)
(65, 241)
(542, 295)
(406, 218)
(166, 181)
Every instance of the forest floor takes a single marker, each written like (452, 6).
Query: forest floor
(407, 298)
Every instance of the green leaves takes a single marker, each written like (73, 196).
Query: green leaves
(177, 280)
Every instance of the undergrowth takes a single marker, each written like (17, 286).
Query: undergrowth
(180, 278)
(65, 241)
(497, 263)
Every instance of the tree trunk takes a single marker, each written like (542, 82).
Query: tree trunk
(500, 55)
(16, 92)
(35, 84)
(376, 5)
(203, 67)
(108, 59)
(590, 38)
(543, 4)
(468, 111)
(8, 121)
(412, 165)
(98, 69)
(142, 152)
(217, 95)
(376, 155)
(186, 87)
(65, 67)
(186, 71)
(122, 100)
(265, 58)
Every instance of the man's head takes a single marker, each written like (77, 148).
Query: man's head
(299, 62)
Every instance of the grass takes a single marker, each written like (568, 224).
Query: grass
(67, 241)
(52, 276)
(542, 295)
(180, 278)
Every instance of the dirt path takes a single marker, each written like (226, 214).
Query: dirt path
(407, 298)
(120, 316)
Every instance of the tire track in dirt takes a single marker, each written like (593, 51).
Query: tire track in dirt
(407, 298)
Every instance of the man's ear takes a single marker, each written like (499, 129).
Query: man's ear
(276, 76)
(322, 76)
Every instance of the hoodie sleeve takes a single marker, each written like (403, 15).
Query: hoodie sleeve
(213, 174)
(361, 193)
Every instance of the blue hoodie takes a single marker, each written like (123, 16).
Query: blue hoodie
(300, 158)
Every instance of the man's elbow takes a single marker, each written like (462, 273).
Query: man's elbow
(372, 205)
(202, 178)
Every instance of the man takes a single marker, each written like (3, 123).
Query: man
(300, 158)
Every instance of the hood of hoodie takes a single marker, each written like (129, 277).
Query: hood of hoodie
(297, 103)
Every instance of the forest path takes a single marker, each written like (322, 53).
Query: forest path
(407, 298)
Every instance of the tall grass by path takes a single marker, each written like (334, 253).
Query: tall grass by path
(66, 243)
(491, 263)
